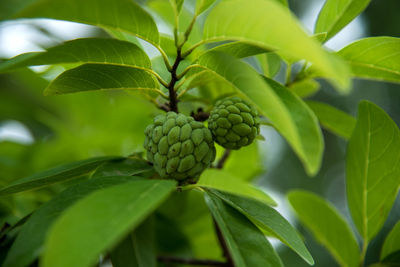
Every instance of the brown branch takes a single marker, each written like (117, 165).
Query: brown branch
(170, 259)
(223, 245)
(200, 115)
(222, 160)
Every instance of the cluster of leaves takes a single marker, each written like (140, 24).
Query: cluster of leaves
(116, 212)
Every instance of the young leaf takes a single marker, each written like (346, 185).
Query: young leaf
(100, 220)
(269, 219)
(55, 175)
(372, 169)
(392, 242)
(246, 244)
(92, 77)
(88, 50)
(177, 5)
(29, 243)
(332, 119)
(335, 15)
(305, 88)
(288, 113)
(376, 58)
(203, 5)
(224, 181)
(270, 64)
(327, 225)
(123, 15)
(255, 21)
(239, 49)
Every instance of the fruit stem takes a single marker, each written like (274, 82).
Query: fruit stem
(223, 159)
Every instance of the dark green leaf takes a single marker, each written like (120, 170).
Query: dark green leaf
(58, 174)
(88, 50)
(92, 77)
(335, 15)
(392, 242)
(327, 225)
(372, 169)
(376, 58)
(84, 231)
(269, 219)
(29, 243)
(246, 244)
(127, 167)
(333, 119)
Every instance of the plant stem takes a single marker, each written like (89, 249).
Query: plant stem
(223, 159)
(223, 245)
(363, 253)
(170, 259)
(288, 74)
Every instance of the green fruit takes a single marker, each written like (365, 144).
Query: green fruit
(234, 123)
(179, 147)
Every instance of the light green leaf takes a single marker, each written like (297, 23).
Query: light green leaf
(100, 220)
(203, 5)
(305, 88)
(336, 14)
(55, 175)
(255, 21)
(239, 49)
(177, 5)
(224, 181)
(376, 58)
(287, 112)
(270, 64)
(332, 119)
(327, 225)
(392, 242)
(92, 77)
(269, 219)
(372, 169)
(246, 244)
(123, 15)
(88, 50)
(29, 243)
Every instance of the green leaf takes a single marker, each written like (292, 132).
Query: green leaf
(100, 220)
(268, 219)
(372, 169)
(239, 49)
(336, 14)
(203, 5)
(177, 5)
(224, 181)
(93, 77)
(29, 243)
(246, 244)
(270, 64)
(55, 175)
(287, 112)
(123, 15)
(127, 167)
(392, 242)
(137, 249)
(376, 58)
(88, 50)
(332, 119)
(305, 88)
(255, 21)
(327, 225)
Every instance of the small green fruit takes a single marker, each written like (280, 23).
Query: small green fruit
(234, 123)
(179, 147)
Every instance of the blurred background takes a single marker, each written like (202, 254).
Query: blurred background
(38, 132)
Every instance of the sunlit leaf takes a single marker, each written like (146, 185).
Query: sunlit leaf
(392, 242)
(84, 231)
(305, 87)
(372, 169)
(239, 49)
(328, 226)
(202, 5)
(270, 64)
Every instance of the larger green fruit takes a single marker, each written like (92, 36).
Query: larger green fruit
(179, 147)
(234, 123)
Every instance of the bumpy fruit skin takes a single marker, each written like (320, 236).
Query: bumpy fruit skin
(234, 123)
(179, 147)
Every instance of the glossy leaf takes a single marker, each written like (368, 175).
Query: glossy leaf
(82, 233)
(336, 14)
(392, 242)
(332, 119)
(255, 21)
(239, 49)
(30, 241)
(224, 181)
(55, 175)
(327, 225)
(376, 58)
(93, 77)
(268, 219)
(287, 112)
(123, 15)
(246, 244)
(88, 50)
(372, 169)
(305, 87)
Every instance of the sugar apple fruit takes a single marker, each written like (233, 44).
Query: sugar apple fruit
(179, 147)
(234, 123)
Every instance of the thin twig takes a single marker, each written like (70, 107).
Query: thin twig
(223, 245)
(223, 159)
(170, 259)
